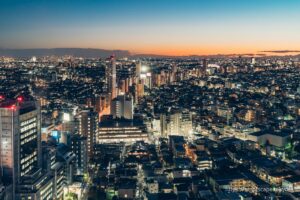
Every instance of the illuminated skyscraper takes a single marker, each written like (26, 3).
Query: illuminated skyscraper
(253, 61)
(88, 126)
(139, 90)
(79, 148)
(204, 65)
(138, 68)
(122, 87)
(112, 75)
(148, 80)
(20, 149)
(173, 75)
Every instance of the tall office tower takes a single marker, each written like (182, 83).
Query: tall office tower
(101, 102)
(186, 123)
(79, 148)
(174, 124)
(253, 61)
(122, 107)
(88, 127)
(69, 124)
(20, 146)
(148, 80)
(138, 68)
(174, 72)
(98, 102)
(163, 125)
(127, 85)
(204, 65)
(157, 80)
(112, 76)
(162, 77)
(174, 68)
(139, 90)
(122, 87)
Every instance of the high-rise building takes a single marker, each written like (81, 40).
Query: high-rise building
(69, 124)
(88, 127)
(148, 80)
(20, 149)
(186, 126)
(253, 61)
(79, 148)
(101, 102)
(122, 107)
(204, 65)
(176, 123)
(122, 87)
(138, 68)
(139, 90)
(127, 80)
(163, 125)
(112, 76)
(174, 72)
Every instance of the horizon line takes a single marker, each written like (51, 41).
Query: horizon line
(260, 53)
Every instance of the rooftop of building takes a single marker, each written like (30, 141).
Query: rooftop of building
(293, 179)
(121, 123)
(26, 104)
(280, 133)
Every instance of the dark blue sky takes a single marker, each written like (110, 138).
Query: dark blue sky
(162, 26)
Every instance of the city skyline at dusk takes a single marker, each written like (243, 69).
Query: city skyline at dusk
(153, 27)
(149, 99)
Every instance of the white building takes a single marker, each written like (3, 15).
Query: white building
(122, 107)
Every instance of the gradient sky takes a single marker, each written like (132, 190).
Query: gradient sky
(172, 27)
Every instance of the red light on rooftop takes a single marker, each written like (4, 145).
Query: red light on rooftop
(12, 107)
(1, 97)
(20, 99)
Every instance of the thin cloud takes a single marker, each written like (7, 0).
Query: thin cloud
(281, 51)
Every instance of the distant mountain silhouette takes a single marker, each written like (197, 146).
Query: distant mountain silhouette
(78, 52)
(196, 56)
(102, 53)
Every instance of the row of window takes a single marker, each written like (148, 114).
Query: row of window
(30, 126)
(28, 133)
(27, 170)
(28, 121)
(28, 163)
(28, 139)
(28, 157)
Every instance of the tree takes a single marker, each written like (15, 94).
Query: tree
(71, 196)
